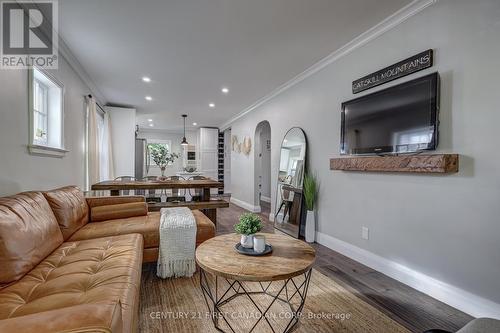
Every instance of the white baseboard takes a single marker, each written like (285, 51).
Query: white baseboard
(465, 301)
(271, 217)
(265, 199)
(245, 205)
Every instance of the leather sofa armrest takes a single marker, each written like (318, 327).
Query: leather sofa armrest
(104, 201)
(100, 318)
(118, 211)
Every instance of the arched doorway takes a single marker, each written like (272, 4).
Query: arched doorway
(262, 165)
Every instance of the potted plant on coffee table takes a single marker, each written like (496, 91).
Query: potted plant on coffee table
(249, 225)
(310, 196)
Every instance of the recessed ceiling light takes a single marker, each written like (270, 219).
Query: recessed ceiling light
(151, 125)
(148, 98)
(225, 90)
(211, 105)
(194, 124)
(150, 119)
(146, 79)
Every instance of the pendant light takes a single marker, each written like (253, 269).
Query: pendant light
(184, 141)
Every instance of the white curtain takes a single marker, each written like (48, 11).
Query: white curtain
(93, 155)
(99, 148)
(107, 148)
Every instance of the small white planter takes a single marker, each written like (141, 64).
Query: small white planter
(310, 232)
(247, 241)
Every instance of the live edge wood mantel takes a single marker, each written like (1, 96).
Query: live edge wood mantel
(436, 163)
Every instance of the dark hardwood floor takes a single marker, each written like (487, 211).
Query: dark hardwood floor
(409, 307)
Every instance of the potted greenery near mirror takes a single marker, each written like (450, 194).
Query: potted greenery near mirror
(249, 225)
(310, 197)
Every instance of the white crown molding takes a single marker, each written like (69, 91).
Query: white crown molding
(245, 205)
(387, 24)
(458, 298)
(73, 62)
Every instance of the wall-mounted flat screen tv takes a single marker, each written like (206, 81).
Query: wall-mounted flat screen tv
(399, 119)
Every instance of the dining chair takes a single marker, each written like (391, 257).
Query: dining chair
(177, 194)
(151, 195)
(286, 202)
(196, 193)
(125, 179)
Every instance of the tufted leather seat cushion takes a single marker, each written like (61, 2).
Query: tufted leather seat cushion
(148, 226)
(95, 318)
(28, 233)
(69, 207)
(96, 271)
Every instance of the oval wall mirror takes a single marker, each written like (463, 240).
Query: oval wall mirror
(289, 196)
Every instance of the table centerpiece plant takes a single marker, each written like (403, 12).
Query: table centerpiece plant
(161, 156)
(247, 227)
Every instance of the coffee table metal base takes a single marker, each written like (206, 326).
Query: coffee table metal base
(288, 289)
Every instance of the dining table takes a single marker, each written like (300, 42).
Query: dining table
(206, 204)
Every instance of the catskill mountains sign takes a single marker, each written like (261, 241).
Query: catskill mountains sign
(405, 67)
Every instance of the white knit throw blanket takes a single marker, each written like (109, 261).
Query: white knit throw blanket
(177, 243)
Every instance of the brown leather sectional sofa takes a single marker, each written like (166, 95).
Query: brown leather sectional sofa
(73, 264)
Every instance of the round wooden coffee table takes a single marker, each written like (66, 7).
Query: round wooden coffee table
(282, 276)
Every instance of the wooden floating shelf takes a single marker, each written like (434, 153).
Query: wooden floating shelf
(438, 163)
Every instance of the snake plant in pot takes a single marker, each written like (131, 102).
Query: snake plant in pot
(249, 224)
(310, 196)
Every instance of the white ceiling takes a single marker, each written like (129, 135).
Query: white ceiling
(192, 48)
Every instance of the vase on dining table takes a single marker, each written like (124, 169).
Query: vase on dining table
(162, 170)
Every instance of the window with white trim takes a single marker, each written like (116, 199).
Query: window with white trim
(166, 143)
(40, 112)
(46, 101)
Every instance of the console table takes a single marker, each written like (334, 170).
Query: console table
(282, 276)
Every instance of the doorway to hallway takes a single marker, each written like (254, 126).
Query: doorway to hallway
(262, 164)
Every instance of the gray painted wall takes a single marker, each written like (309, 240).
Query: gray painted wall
(446, 227)
(21, 171)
